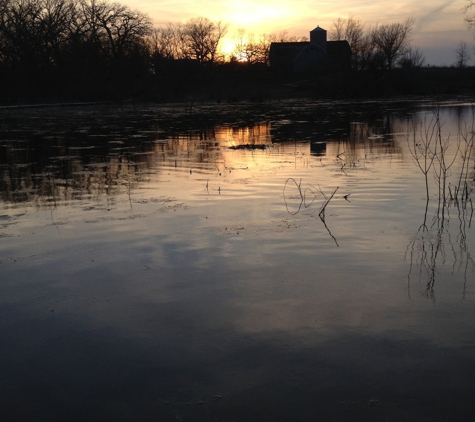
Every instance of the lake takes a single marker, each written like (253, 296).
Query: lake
(297, 260)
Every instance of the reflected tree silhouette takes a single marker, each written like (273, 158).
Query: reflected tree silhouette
(430, 246)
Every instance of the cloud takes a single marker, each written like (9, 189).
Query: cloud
(435, 14)
(439, 23)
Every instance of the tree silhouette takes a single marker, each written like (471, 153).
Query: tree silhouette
(462, 55)
(51, 48)
(202, 38)
(392, 40)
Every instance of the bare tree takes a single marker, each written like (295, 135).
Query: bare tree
(392, 40)
(112, 26)
(265, 40)
(354, 32)
(55, 19)
(202, 39)
(168, 42)
(51, 47)
(469, 19)
(251, 48)
(19, 27)
(462, 55)
(351, 30)
(34, 35)
(412, 58)
(254, 49)
(337, 31)
(239, 40)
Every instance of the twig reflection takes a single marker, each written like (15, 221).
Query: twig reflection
(52, 193)
(306, 198)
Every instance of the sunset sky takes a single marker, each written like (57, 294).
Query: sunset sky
(438, 29)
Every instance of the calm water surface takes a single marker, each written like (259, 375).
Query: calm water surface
(162, 263)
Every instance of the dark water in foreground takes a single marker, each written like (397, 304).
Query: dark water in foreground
(170, 264)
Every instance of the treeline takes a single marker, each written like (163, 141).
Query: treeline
(381, 47)
(94, 49)
(385, 62)
(70, 48)
(87, 50)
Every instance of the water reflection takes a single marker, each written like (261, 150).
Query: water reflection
(304, 197)
(218, 265)
(440, 244)
(92, 153)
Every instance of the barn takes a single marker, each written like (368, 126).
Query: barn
(318, 54)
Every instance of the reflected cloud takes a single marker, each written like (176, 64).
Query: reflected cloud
(211, 291)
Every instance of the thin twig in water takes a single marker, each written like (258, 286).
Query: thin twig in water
(322, 209)
(471, 214)
(302, 197)
(328, 230)
(52, 192)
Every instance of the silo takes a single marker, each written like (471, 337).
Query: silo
(319, 37)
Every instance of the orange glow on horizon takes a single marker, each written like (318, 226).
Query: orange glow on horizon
(227, 47)
(439, 27)
(247, 14)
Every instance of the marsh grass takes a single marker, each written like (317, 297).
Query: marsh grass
(434, 243)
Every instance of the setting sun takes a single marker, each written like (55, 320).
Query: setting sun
(439, 24)
(227, 47)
